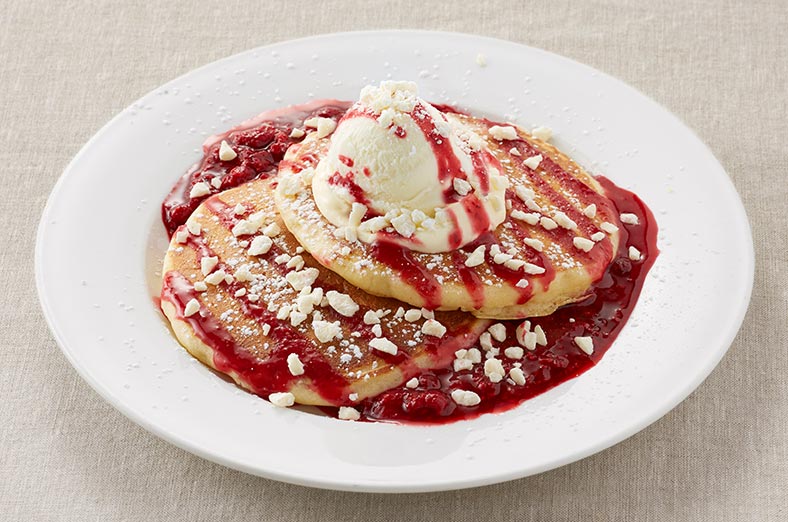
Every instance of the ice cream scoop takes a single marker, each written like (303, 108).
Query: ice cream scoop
(398, 170)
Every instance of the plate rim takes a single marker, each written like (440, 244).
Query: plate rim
(666, 405)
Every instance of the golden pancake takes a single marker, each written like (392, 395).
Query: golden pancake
(559, 235)
(245, 299)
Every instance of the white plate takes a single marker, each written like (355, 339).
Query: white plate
(100, 238)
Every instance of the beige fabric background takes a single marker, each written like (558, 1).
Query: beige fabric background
(67, 67)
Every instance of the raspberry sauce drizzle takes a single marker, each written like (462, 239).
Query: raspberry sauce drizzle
(602, 316)
(262, 376)
(440, 349)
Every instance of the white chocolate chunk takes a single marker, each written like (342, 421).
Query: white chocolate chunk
(610, 228)
(586, 344)
(548, 224)
(282, 400)
(181, 235)
(524, 193)
(404, 225)
(485, 341)
(564, 221)
(590, 211)
(514, 264)
(243, 274)
(294, 364)
(216, 277)
(260, 245)
(296, 317)
(517, 376)
(301, 279)
(534, 243)
(529, 218)
(634, 254)
(297, 133)
(629, 219)
(383, 345)
(412, 315)
(413, 383)
(598, 236)
(498, 332)
(501, 133)
(226, 152)
(493, 369)
(529, 340)
(326, 331)
(514, 352)
(325, 126)
(342, 303)
(199, 190)
(200, 286)
(461, 186)
(532, 269)
(272, 230)
(476, 257)
(357, 213)
(522, 329)
(194, 227)
(370, 317)
(349, 414)
(583, 243)
(533, 162)
(291, 185)
(541, 337)
(192, 307)
(462, 364)
(249, 225)
(283, 312)
(433, 328)
(501, 258)
(465, 398)
(514, 152)
(207, 264)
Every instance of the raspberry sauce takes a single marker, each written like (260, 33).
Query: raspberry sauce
(261, 145)
(601, 316)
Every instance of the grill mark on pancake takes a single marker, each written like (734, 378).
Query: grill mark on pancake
(568, 183)
(505, 274)
(470, 278)
(409, 270)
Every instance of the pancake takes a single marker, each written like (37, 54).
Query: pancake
(245, 299)
(547, 253)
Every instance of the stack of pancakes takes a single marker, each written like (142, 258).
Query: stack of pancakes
(258, 285)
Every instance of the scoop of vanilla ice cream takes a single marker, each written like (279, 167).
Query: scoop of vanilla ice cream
(397, 168)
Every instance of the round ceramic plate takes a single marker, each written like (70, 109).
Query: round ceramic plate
(100, 241)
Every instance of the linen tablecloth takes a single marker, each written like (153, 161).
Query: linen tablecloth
(67, 67)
